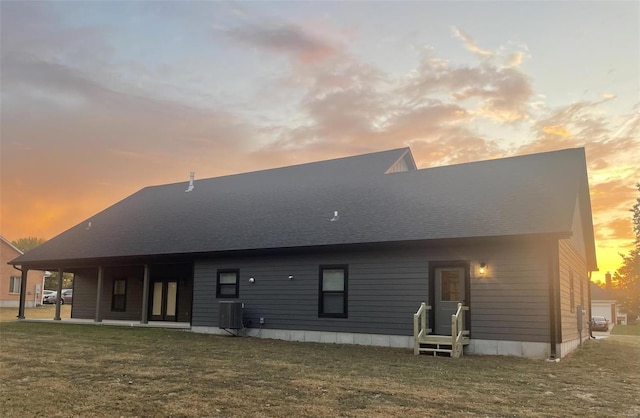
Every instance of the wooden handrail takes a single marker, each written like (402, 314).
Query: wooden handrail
(458, 331)
(420, 326)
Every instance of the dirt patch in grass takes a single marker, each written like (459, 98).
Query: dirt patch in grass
(77, 370)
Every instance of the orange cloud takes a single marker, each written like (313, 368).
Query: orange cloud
(556, 130)
(613, 194)
(470, 43)
(619, 228)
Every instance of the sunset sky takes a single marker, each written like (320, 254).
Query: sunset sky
(100, 99)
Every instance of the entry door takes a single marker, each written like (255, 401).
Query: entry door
(450, 289)
(164, 299)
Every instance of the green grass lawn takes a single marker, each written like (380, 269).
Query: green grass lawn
(626, 330)
(85, 371)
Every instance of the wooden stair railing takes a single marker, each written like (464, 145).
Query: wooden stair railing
(424, 341)
(457, 331)
(420, 326)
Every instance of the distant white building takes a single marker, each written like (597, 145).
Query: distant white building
(603, 303)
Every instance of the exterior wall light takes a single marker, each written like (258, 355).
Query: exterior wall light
(251, 280)
(290, 277)
(483, 269)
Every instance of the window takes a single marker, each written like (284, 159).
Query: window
(571, 293)
(14, 284)
(333, 292)
(227, 285)
(119, 299)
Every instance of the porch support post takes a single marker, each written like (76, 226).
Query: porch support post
(59, 295)
(98, 317)
(23, 293)
(145, 296)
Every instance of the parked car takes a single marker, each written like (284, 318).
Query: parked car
(67, 295)
(50, 297)
(599, 323)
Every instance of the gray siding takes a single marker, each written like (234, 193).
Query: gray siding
(84, 294)
(511, 302)
(385, 289)
(572, 264)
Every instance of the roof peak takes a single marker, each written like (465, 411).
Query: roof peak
(383, 160)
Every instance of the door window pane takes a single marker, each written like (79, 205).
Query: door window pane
(156, 309)
(450, 286)
(172, 292)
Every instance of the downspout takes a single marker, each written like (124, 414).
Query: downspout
(589, 295)
(552, 308)
(554, 299)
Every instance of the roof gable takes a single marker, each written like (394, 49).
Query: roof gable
(598, 293)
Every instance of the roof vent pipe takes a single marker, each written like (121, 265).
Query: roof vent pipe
(335, 216)
(191, 177)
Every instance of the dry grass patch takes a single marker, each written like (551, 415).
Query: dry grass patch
(80, 370)
(39, 312)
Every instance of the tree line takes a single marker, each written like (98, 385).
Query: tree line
(50, 283)
(627, 277)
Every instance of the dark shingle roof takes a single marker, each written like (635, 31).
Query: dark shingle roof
(292, 207)
(598, 293)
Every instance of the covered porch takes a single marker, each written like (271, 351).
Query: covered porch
(119, 294)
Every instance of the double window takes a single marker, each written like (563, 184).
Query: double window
(119, 297)
(333, 291)
(227, 285)
(14, 284)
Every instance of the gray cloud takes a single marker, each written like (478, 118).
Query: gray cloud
(504, 92)
(285, 38)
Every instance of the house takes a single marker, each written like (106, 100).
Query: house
(11, 279)
(603, 303)
(347, 250)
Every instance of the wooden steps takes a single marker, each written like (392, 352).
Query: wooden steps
(434, 344)
(425, 342)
